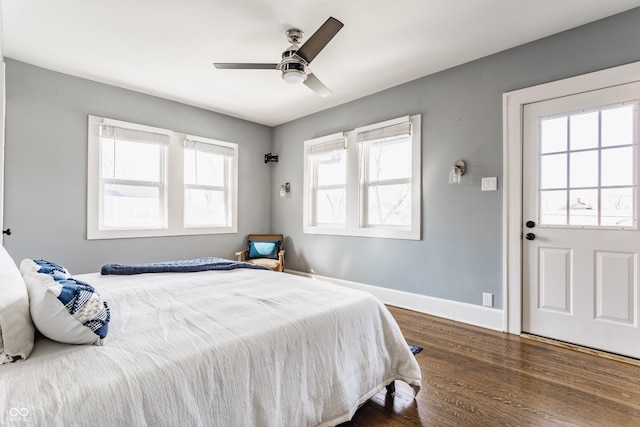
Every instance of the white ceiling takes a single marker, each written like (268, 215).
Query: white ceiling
(167, 47)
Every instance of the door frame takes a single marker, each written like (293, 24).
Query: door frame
(512, 138)
(2, 133)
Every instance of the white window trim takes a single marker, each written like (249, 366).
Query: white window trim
(353, 198)
(174, 185)
(308, 214)
(232, 186)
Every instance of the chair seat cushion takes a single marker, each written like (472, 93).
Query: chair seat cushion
(273, 264)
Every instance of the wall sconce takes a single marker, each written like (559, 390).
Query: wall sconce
(270, 158)
(285, 189)
(457, 170)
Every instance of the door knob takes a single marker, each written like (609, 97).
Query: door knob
(530, 224)
(530, 236)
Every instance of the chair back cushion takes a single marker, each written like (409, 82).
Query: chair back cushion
(259, 249)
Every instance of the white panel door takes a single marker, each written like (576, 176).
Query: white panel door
(580, 229)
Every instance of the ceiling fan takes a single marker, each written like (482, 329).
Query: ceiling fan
(296, 59)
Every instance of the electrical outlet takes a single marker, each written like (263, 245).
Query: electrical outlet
(487, 299)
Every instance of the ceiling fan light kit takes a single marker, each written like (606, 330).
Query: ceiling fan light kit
(294, 76)
(294, 65)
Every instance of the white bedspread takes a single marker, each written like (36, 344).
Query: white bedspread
(217, 348)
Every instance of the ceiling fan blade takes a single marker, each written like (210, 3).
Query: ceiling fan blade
(234, 66)
(313, 83)
(312, 47)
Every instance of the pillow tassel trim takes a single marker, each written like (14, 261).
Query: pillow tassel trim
(79, 298)
(100, 324)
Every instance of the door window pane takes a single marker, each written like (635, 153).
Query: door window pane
(553, 207)
(553, 171)
(617, 166)
(583, 207)
(584, 131)
(617, 126)
(617, 207)
(553, 135)
(584, 169)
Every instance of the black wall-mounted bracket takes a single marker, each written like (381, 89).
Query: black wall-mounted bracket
(270, 158)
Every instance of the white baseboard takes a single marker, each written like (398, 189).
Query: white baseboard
(485, 317)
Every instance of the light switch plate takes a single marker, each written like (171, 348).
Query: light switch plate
(490, 184)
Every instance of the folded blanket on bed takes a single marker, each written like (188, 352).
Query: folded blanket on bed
(180, 266)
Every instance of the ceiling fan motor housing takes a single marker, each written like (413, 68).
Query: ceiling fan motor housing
(294, 68)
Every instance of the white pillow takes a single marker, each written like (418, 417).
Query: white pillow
(64, 309)
(16, 327)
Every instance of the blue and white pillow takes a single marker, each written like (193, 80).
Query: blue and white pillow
(64, 309)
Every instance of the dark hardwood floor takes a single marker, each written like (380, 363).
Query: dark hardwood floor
(476, 377)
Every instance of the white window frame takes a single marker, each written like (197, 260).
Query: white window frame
(174, 183)
(355, 224)
(230, 152)
(324, 145)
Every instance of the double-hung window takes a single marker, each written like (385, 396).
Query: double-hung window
(327, 165)
(365, 182)
(208, 195)
(145, 181)
(386, 171)
(132, 178)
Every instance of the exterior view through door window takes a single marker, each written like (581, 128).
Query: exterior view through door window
(587, 168)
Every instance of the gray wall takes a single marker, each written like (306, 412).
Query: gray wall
(459, 256)
(46, 170)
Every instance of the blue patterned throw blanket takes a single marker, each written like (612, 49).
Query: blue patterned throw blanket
(180, 266)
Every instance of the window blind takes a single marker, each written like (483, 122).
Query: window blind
(327, 147)
(220, 150)
(400, 129)
(133, 135)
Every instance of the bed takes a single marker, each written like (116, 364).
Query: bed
(241, 347)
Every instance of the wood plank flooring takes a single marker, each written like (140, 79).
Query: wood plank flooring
(477, 377)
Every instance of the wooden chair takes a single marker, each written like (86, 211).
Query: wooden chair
(274, 259)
